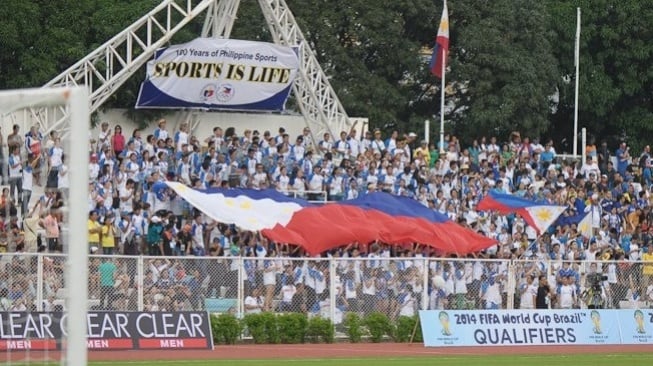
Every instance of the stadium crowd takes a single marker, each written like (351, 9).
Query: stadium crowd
(129, 215)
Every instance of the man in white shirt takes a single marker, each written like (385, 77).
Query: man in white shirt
(15, 173)
(354, 144)
(254, 302)
(528, 294)
(181, 137)
(126, 196)
(590, 167)
(567, 294)
(104, 138)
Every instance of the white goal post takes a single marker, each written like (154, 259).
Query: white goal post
(76, 101)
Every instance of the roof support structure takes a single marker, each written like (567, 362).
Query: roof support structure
(106, 68)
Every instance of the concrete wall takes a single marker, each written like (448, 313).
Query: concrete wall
(293, 124)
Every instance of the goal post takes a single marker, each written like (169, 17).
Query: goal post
(76, 101)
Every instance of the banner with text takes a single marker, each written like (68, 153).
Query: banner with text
(108, 330)
(212, 73)
(519, 327)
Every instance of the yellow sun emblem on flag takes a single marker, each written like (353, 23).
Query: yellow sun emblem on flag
(180, 187)
(543, 215)
(583, 227)
(246, 205)
(229, 202)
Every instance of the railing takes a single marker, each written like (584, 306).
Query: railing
(310, 196)
(240, 285)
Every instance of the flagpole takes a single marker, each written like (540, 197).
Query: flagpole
(444, 61)
(577, 62)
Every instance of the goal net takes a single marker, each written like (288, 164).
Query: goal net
(43, 226)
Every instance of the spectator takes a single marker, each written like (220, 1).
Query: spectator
(107, 271)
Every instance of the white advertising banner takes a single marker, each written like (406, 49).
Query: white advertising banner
(210, 73)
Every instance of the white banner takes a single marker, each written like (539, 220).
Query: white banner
(212, 73)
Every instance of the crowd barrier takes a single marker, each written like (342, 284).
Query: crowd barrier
(326, 287)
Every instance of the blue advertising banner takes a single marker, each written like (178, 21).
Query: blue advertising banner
(519, 327)
(636, 326)
(211, 73)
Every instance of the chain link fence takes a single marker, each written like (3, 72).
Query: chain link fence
(323, 287)
(463, 284)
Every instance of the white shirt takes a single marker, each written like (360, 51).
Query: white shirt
(93, 171)
(528, 296)
(288, 292)
(182, 139)
(354, 147)
(127, 204)
(407, 306)
(283, 182)
(27, 179)
(566, 296)
(56, 155)
(62, 180)
(253, 301)
(15, 166)
(316, 182)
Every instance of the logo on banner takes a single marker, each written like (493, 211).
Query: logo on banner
(220, 74)
(639, 321)
(596, 322)
(208, 93)
(445, 323)
(225, 93)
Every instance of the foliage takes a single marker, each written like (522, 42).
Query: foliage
(404, 329)
(226, 328)
(320, 329)
(503, 53)
(616, 80)
(292, 327)
(378, 324)
(511, 67)
(353, 324)
(269, 320)
(256, 327)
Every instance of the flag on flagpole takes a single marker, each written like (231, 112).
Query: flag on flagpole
(441, 48)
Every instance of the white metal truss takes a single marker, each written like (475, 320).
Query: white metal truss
(315, 97)
(220, 18)
(105, 69)
(219, 22)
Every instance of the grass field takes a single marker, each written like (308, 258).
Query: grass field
(531, 360)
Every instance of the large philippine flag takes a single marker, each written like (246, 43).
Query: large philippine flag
(441, 48)
(538, 216)
(318, 228)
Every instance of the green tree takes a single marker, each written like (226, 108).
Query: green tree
(502, 67)
(370, 49)
(616, 80)
(38, 40)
